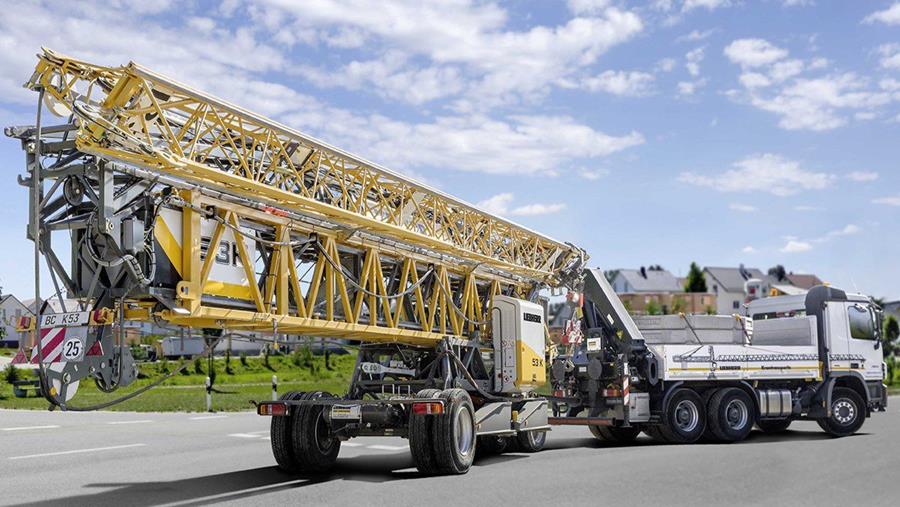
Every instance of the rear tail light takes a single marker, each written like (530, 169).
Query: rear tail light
(427, 408)
(273, 409)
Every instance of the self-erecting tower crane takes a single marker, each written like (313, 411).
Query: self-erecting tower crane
(183, 208)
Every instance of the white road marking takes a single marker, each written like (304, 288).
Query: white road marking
(23, 428)
(205, 417)
(141, 421)
(77, 451)
(243, 435)
(351, 444)
(392, 448)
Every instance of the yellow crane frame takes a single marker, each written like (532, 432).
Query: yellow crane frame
(132, 115)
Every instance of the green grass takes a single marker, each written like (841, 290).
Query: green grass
(187, 392)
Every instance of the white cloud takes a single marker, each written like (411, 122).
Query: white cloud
(890, 56)
(496, 204)
(696, 35)
(630, 83)
(889, 16)
(587, 6)
(753, 52)
(544, 145)
(754, 80)
(798, 3)
(690, 5)
(500, 205)
(743, 208)
(863, 176)
(893, 200)
(499, 64)
(848, 230)
(392, 76)
(807, 208)
(762, 173)
(795, 246)
(692, 61)
(665, 65)
(748, 250)
(819, 104)
(593, 175)
(688, 88)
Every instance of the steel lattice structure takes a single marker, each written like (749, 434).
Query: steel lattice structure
(368, 235)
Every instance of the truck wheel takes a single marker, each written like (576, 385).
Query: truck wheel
(773, 425)
(847, 413)
(315, 447)
(531, 441)
(685, 418)
(614, 434)
(490, 445)
(453, 433)
(420, 440)
(730, 414)
(280, 433)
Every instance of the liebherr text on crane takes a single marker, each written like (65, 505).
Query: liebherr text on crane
(179, 207)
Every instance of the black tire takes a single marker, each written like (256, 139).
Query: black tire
(490, 445)
(848, 413)
(316, 448)
(531, 441)
(614, 434)
(282, 441)
(421, 444)
(773, 425)
(730, 414)
(453, 433)
(654, 433)
(685, 418)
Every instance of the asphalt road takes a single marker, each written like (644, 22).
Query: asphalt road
(185, 459)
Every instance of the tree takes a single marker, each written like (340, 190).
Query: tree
(653, 308)
(778, 272)
(695, 281)
(891, 333)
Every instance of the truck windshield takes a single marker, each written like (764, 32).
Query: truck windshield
(862, 323)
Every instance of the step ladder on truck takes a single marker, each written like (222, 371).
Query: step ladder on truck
(180, 208)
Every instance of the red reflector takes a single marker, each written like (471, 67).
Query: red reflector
(274, 409)
(427, 408)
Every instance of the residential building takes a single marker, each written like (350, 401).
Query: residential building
(803, 281)
(654, 279)
(10, 311)
(728, 285)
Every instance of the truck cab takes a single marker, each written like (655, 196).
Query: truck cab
(849, 335)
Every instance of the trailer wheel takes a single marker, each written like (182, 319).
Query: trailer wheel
(685, 418)
(315, 447)
(453, 433)
(773, 425)
(280, 433)
(614, 434)
(489, 445)
(420, 437)
(847, 413)
(531, 441)
(730, 414)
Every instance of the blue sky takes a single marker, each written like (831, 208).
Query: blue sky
(663, 132)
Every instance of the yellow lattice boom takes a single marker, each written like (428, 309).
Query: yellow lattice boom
(134, 116)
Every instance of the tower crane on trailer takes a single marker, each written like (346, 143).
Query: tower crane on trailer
(174, 206)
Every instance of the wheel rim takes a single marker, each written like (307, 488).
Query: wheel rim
(736, 414)
(687, 416)
(465, 431)
(537, 437)
(324, 439)
(843, 411)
